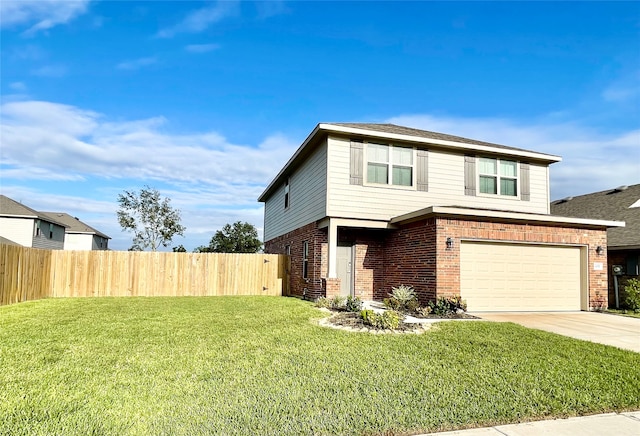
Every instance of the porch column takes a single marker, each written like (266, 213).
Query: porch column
(332, 249)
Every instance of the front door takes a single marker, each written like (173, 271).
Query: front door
(345, 270)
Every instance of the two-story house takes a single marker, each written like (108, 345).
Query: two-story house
(361, 208)
(24, 226)
(79, 235)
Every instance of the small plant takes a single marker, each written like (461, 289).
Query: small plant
(353, 304)
(389, 319)
(448, 305)
(322, 302)
(338, 302)
(392, 303)
(632, 298)
(424, 311)
(403, 294)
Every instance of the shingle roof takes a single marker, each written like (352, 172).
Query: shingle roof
(74, 225)
(612, 204)
(12, 207)
(401, 130)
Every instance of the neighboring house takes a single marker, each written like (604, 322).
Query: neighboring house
(79, 236)
(29, 228)
(623, 204)
(361, 208)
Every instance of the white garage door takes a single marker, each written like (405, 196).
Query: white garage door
(519, 277)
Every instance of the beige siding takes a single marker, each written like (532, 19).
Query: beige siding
(446, 188)
(308, 195)
(77, 241)
(18, 230)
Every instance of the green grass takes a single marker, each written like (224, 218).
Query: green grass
(624, 312)
(236, 365)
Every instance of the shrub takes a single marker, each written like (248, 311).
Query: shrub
(392, 303)
(389, 319)
(448, 305)
(322, 302)
(424, 311)
(632, 298)
(353, 304)
(403, 294)
(338, 302)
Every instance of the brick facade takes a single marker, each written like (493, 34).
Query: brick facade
(416, 254)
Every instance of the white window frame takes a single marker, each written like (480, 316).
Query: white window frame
(305, 259)
(287, 193)
(390, 164)
(498, 177)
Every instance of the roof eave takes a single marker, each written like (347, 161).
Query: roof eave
(503, 216)
(450, 144)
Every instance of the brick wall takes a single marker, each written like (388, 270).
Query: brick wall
(448, 268)
(410, 259)
(311, 287)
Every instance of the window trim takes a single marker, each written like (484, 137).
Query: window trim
(305, 259)
(390, 165)
(287, 193)
(498, 177)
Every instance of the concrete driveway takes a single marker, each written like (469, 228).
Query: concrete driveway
(619, 331)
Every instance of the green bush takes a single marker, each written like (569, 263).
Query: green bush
(353, 304)
(389, 319)
(448, 305)
(392, 303)
(632, 297)
(322, 302)
(403, 294)
(338, 302)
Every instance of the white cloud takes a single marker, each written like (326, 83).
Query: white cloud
(200, 19)
(50, 71)
(136, 64)
(66, 139)
(18, 86)
(201, 48)
(40, 14)
(592, 160)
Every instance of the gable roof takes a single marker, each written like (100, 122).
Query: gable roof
(392, 132)
(13, 209)
(621, 204)
(74, 225)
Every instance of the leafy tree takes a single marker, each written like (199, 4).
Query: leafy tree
(179, 249)
(150, 217)
(236, 238)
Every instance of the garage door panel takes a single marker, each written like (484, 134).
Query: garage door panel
(520, 277)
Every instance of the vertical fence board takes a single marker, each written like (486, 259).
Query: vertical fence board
(30, 274)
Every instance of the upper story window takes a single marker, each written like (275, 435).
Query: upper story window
(286, 194)
(389, 165)
(498, 176)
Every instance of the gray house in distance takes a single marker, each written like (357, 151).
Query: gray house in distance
(29, 228)
(79, 235)
(620, 204)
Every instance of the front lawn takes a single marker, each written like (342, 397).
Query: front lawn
(253, 365)
(623, 312)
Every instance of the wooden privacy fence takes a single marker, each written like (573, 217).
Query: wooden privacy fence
(30, 274)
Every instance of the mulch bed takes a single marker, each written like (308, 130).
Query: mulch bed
(354, 321)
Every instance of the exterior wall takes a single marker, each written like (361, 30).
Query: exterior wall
(448, 261)
(99, 243)
(85, 241)
(411, 260)
(445, 184)
(18, 230)
(314, 286)
(619, 257)
(78, 241)
(55, 242)
(308, 197)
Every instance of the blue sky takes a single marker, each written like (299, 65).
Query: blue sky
(206, 100)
